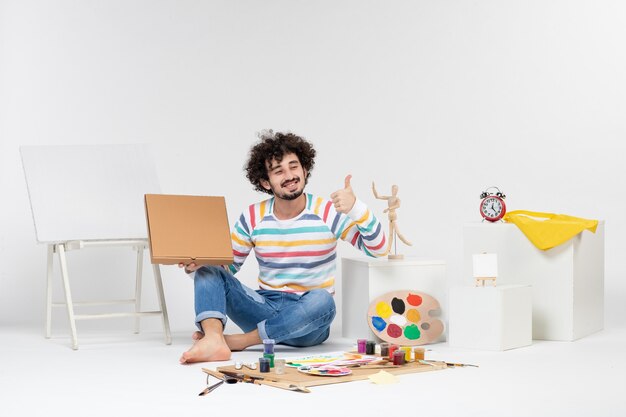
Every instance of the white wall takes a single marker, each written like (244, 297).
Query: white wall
(443, 98)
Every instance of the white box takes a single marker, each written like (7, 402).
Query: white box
(567, 281)
(490, 318)
(364, 279)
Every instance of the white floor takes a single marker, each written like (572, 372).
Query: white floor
(119, 373)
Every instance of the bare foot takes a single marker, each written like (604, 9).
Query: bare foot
(211, 347)
(234, 343)
(237, 342)
(197, 335)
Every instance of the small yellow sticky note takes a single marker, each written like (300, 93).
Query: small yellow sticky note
(383, 378)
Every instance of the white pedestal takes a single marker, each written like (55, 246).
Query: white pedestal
(364, 279)
(490, 318)
(567, 281)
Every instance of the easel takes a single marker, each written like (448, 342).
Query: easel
(485, 268)
(480, 281)
(91, 196)
(139, 245)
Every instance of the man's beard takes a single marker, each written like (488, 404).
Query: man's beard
(287, 195)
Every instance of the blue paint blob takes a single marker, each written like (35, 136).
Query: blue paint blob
(378, 323)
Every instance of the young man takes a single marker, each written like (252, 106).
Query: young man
(294, 236)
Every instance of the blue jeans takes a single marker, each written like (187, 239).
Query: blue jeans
(290, 319)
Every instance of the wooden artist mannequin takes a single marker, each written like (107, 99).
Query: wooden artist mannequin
(393, 203)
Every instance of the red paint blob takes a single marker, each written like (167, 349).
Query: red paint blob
(414, 299)
(393, 330)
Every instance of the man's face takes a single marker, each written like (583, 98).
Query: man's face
(287, 178)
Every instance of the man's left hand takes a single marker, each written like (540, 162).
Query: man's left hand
(344, 199)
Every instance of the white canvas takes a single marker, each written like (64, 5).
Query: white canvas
(88, 192)
(485, 265)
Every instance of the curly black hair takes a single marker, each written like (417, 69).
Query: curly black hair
(275, 145)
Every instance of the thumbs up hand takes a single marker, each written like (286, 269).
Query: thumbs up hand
(344, 199)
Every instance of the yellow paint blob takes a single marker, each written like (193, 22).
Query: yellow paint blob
(413, 315)
(383, 309)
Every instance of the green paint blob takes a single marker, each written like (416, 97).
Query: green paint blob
(412, 332)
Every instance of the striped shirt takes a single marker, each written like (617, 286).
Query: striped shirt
(299, 254)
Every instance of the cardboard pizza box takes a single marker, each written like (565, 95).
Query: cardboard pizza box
(185, 229)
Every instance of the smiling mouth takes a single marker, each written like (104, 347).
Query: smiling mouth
(290, 183)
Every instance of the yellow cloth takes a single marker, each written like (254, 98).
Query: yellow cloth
(547, 230)
(383, 378)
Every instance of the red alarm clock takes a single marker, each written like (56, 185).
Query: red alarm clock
(492, 206)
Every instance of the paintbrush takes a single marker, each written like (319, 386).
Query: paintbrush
(448, 364)
(372, 366)
(262, 381)
(222, 378)
(459, 365)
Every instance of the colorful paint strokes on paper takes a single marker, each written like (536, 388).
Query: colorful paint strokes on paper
(406, 317)
(325, 370)
(336, 359)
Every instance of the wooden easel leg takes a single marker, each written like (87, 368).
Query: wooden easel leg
(68, 294)
(159, 288)
(139, 273)
(49, 291)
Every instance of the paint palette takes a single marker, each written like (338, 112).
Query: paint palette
(405, 317)
(325, 370)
